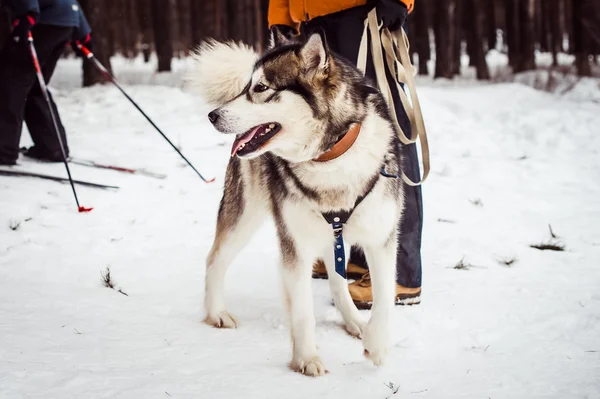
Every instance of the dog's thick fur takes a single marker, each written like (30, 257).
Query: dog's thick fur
(315, 97)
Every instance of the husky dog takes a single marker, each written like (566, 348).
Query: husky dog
(287, 109)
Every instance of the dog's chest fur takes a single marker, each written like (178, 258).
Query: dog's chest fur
(312, 188)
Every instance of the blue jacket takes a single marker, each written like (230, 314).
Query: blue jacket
(53, 12)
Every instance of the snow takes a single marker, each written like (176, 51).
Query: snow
(528, 330)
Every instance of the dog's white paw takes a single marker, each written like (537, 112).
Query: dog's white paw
(312, 367)
(356, 328)
(222, 319)
(375, 344)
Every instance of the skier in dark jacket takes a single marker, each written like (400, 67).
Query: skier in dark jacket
(53, 24)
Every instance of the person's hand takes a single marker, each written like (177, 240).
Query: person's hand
(21, 28)
(86, 42)
(391, 13)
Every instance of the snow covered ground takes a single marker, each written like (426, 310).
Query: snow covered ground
(507, 162)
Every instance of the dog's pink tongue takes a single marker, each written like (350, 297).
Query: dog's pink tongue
(243, 140)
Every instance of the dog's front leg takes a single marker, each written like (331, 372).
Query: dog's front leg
(234, 229)
(353, 321)
(382, 266)
(297, 284)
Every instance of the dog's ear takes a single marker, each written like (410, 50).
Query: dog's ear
(315, 53)
(278, 38)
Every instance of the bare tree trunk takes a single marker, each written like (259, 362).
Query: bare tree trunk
(476, 31)
(95, 13)
(527, 12)
(219, 29)
(420, 30)
(161, 23)
(184, 24)
(207, 15)
(581, 42)
(491, 24)
(471, 37)
(146, 34)
(513, 34)
(455, 18)
(551, 16)
(591, 21)
(259, 32)
(443, 44)
(196, 22)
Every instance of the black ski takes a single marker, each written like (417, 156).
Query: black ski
(18, 173)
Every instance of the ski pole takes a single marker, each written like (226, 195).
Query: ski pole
(44, 88)
(90, 56)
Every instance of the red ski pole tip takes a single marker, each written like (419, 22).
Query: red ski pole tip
(211, 180)
(83, 209)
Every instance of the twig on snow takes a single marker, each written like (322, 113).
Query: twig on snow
(476, 202)
(107, 281)
(394, 388)
(14, 225)
(550, 246)
(463, 265)
(507, 261)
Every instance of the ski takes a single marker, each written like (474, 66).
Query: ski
(18, 173)
(93, 164)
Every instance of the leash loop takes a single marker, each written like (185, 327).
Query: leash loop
(396, 45)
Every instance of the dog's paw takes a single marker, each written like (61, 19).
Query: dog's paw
(375, 344)
(312, 367)
(221, 319)
(356, 328)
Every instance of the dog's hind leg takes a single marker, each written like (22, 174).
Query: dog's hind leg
(236, 222)
(382, 266)
(354, 322)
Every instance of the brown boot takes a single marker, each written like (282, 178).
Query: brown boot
(361, 293)
(353, 272)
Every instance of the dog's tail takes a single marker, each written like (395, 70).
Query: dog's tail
(221, 71)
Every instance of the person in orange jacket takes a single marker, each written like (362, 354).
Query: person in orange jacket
(342, 21)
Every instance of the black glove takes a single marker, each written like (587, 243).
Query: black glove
(22, 26)
(391, 13)
(86, 42)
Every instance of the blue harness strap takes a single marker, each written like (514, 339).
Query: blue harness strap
(338, 219)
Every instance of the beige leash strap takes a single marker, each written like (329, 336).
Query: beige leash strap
(395, 45)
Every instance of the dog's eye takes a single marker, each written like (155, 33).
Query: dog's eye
(259, 88)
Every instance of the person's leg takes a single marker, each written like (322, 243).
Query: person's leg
(344, 32)
(50, 42)
(17, 76)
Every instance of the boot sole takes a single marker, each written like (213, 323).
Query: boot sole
(349, 276)
(401, 300)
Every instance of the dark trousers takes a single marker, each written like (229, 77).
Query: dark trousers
(20, 93)
(343, 31)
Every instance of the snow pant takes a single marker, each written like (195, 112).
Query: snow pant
(343, 31)
(21, 97)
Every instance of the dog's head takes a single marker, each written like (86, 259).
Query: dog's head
(300, 99)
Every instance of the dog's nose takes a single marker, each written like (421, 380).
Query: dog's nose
(213, 116)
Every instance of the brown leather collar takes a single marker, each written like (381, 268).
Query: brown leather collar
(341, 146)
